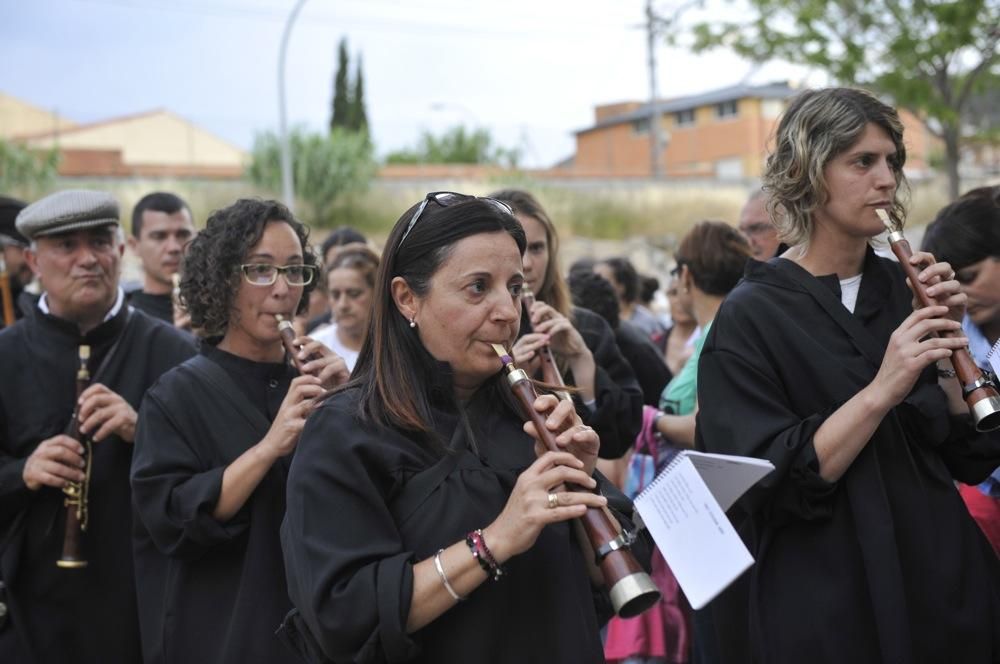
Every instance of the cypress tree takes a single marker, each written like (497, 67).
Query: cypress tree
(341, 96)
(359, 118)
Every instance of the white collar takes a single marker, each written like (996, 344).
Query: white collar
(43, 305)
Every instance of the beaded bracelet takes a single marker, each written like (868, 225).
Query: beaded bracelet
(444, 577)
(483, 555)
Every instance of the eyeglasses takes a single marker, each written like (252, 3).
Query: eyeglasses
(754, 230)
(446, 198)
(265, 274)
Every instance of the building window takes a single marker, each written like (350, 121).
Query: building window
(640, 126)
(684, 118)
(727, 109)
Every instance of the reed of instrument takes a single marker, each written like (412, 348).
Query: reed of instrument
(287, 332)
(77, 493)
(978, 388)
(631, 589)
(5, 293)
(550, 370)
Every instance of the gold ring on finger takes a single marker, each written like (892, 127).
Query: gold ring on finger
(553, 501)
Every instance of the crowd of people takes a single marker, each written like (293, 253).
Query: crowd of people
(184, 477)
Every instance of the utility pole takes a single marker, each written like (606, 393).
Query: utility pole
(655, 130)
(287, 184)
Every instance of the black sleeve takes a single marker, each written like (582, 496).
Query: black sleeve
(743, 410)
(969, 455)
(617, 416)
(14, 494)
(173, 491)
(348, 573)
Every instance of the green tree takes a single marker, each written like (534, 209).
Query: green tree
(359, 117)
(25, 170)
(929, 56)
(457, 145)
(327, 167)
(341, 111)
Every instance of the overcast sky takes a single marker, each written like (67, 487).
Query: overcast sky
(529, 70)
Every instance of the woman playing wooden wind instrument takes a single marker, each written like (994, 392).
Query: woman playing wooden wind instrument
(215, 439)
(818, 362)
(454, 533)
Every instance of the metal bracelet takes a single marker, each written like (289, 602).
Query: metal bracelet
(444, 577)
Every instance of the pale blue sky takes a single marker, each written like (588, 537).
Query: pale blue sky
(531, 71)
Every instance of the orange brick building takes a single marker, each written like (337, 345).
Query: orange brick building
(722, 134)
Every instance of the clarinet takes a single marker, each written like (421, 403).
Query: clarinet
(550, 370)
(77, 493)
(630, 588)
(978, 388)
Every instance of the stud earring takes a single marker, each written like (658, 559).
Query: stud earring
(413, 322)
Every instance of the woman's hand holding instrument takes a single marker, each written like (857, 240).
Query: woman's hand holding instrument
(978, 388)
(630, 588)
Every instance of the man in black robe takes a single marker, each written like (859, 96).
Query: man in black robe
(85, 614)
(161, 226)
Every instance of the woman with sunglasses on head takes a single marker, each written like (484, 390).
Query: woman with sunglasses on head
(818, 362)
(454, 537)
(214, 442)
(609, 397)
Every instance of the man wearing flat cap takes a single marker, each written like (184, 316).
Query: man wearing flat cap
(88, 614)
(12, 264)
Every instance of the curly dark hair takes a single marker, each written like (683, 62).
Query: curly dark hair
(212, 259)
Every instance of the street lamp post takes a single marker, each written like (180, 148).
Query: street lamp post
(287, 184)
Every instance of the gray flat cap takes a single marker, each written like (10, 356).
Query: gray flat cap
(66, 211)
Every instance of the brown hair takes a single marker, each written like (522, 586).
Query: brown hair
(715, 254)
(817, 126)
(394, 370)
(554, 291)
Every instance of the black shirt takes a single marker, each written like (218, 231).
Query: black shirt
(157, 306)
(210, 591)
(885, 564)
(351, 572)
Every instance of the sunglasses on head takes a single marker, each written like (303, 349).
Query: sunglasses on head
(446, 198)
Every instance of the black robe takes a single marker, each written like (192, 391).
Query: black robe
(617, 416)
(209, 591)
(885, 564)
(366, 503)
(157, 306)
(651, 370)
(77, 615)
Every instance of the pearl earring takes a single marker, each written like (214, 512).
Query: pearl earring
(413, 323)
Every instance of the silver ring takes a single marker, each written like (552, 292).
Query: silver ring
(553, 501)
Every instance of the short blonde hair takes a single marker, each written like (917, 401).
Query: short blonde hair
(818, 126)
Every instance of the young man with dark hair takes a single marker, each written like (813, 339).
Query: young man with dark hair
(161, 226)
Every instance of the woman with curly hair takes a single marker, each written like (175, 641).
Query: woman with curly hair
(214, 442)
(817, 362)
